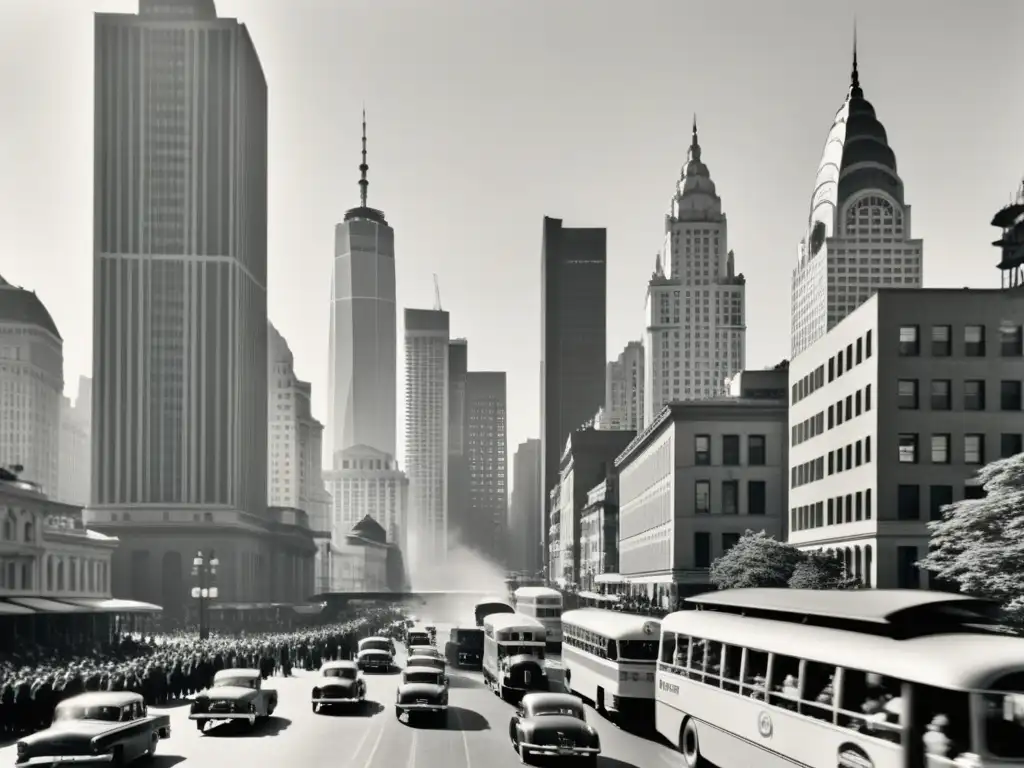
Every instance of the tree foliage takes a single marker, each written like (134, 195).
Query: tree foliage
(759, 560)
(979, 543)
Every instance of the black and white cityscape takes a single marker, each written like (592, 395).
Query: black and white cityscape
(299, 483)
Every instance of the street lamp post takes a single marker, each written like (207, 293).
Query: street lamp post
(204, 569)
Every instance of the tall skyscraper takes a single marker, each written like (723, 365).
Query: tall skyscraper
(858, 233)
(526, 513)
(458, 461)
(696, 327)
(573, 340)
(179, 421)
(74, 470)
(624, 391)
(361, 371)
(31, 387)
(486, 451)
(426, 436)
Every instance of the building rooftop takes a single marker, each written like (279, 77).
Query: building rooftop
(23, 307)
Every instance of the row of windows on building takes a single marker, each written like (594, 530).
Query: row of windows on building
(841, 459)
(1010, 337)
(941, 448)
(849, 508)
(941, 395)
(757, 495)
(730, 451)
(845, 409)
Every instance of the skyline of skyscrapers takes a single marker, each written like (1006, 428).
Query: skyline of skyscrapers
(574, 265)
(362, 366)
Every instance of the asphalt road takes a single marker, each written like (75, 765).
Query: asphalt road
(476, 735)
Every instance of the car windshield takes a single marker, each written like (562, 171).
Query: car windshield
(343, 672)
(235, 682)
(638, 650)
(110, 714)
(418, 639)
(427, 678)
(375, 645)
(469, 639)
(521, 650)
(557, 709)
(426, 661)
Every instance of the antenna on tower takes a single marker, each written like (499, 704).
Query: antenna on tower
(437, 295)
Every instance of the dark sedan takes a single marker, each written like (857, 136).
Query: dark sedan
(102, 727)
(553, 724)
(339, 683)
(237, 694)
(422, 691)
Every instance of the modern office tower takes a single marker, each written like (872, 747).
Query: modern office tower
(458, 460)
(624, 391)
(526, 512)
(858, 232)
(31, 387)
(574, 268)
(75, 460)
(486, 451)
(426, 436)
(696, 326)
(179, 420)
(361, 371)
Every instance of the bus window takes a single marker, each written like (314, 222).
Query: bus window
(785, 689)
(755, 674)
(713, 663)
(870, 703)
(668, 647)
(638, 650)
(698, 648)
(817, 694)
(946, 716)
(680, 661)
(1003, 715)
(732, 655)
(612, 652)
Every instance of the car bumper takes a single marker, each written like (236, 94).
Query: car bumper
(59, 760)
(423, 707)
(554, 749)
(338, 700)
(250, 718)
(368, 665)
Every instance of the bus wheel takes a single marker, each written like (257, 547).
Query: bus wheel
(689, 745)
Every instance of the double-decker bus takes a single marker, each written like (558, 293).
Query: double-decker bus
(609, 658)
(871, 678)
(545, 605)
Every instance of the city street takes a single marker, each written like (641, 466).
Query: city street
(476, 735)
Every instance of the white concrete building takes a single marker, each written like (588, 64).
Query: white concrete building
(74, 463)
(697, 477)
(891, 415)
(624, 391)
(365, 482)
(696, 311)
(426, 436)
(858, 232)
(31, 387)
(361, 383)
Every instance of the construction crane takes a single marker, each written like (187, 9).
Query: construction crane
(437, 295)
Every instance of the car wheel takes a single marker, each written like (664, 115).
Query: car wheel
(118, 759)
(153, 741)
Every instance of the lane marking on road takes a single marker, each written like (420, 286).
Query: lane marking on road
(411, 762)
(465, 741)
(376, 744)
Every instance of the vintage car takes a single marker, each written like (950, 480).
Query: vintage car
(426, 661)
(236, 694)
(422, 690)
(376, 653)
(553, 724)
(102, 727)
(425, 650)
(339, 683)
(465, 647)
(417, 637)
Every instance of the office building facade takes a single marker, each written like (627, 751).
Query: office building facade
(487, 459)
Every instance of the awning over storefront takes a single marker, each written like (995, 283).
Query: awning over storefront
(10, 609)
(610, 578)
(43, 605)
(111, 605)
(656, 578)
(308, 610)
(599, 598)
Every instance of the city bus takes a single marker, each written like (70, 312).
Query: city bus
(545, 605)
(485, 608)
(874, 678)
(610, 658)
(514, 654)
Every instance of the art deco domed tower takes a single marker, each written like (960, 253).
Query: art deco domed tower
(858, 231)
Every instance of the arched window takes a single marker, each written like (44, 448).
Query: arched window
(8, 529)
(868, 565)
(60, 575)
(30, 532)
(873, 215)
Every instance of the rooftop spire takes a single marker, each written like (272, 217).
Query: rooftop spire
(854, 73)
(363, 168)
(694, 142)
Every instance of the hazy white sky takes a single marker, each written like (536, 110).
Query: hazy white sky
(486, 115)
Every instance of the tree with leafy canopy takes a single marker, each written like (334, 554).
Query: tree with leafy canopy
(760, 560)
(979, 543)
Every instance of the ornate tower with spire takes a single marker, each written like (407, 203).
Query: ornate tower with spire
(696, 308)
(858, 236)
(361, 399)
